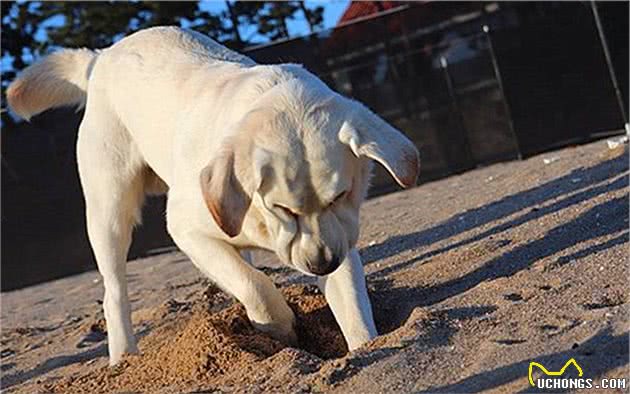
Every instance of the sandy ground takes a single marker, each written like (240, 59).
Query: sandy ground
(471, 278)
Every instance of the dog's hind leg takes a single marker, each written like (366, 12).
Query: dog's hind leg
(111, 172)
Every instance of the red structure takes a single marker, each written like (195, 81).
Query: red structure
(361, 9)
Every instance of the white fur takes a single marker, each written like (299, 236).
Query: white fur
(253, 157)
(60, 79)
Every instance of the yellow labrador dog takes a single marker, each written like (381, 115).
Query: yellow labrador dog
(252, 156)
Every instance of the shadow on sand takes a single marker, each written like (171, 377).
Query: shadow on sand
(601, 353)
(57, 362)
(605, 219)
(394, 304)
(579, 180)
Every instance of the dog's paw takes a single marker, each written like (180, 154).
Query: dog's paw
(359, 338)
(117, 350)
(281, 326)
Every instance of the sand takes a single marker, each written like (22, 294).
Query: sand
(213, 348)
(471, 278)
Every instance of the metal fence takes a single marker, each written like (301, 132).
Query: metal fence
(469, 83)
(475, 83)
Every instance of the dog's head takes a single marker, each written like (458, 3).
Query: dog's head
(296, 170)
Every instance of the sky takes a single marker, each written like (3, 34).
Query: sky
(333, 9)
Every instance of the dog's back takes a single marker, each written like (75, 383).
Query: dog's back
(62, 78)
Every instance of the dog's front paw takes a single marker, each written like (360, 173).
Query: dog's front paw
(279, 324)
(118, 350)
(359, 337)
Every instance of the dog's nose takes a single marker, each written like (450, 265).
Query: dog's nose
(326, 263)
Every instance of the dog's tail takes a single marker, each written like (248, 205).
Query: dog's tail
(58, 80)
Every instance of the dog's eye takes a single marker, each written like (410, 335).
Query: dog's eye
(284, 209)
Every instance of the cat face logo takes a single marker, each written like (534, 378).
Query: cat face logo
(551, 373)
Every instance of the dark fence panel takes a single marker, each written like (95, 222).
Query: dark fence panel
(614, 21)
(555, 76)
(43, 222)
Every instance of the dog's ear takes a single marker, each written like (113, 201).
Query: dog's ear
(225, 196)
(368, 135)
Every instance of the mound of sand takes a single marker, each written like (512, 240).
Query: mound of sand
(209, 348)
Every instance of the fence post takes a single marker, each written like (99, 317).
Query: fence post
(611, 69)
(497, 74)
(470, 160)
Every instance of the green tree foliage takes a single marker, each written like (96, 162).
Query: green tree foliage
(270, 18)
